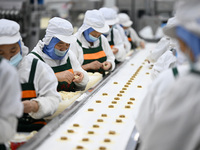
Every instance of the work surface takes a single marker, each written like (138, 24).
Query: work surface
(106, 120)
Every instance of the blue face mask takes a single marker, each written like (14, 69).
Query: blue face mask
(192, 40)
(88, 36)
(14, 61)
(92, 38)
(60, 53)
(50, 50)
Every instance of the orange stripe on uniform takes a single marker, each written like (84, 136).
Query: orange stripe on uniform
(70, 70)
(129, 39)
(94, 55)
(111, 46)
(40, 122)
(28, 94)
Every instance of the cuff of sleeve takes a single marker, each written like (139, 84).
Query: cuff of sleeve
(113, 65)
(120, 56)
(38, 114)
(83, 84)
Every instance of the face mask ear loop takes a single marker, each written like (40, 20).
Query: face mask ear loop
(19, 42)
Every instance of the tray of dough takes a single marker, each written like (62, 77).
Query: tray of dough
(68, 98)
(105, 121)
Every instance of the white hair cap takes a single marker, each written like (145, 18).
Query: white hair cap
(110, 15)
(187, 16)
(124, 20)
(9, 32)
(61, 29)
(170, 27)
(95, 20)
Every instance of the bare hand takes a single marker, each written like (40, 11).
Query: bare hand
(106, 65)
(115, 50)
(30, 106)
(78, 76)
(95, 65)
(65, 76)
(142, 45)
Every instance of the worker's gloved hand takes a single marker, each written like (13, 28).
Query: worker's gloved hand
(115, 50)
(142, 45)
(66, 76)
(95, 65)
(30, 106)
(106, 65)
(78, 76)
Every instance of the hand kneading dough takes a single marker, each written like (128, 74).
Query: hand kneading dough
(69, 97)
(76, 76)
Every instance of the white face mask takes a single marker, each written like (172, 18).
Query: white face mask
(14, 61)
(60, 53)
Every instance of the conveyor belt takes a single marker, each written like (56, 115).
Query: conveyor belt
(101, 119)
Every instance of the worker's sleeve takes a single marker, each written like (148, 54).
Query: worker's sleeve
(161, 47)
(145, 113)
(127, 44)
(176, 125)
(148, 108)
(121, 54)
(77, 67)
(10, 91)
(11, 106)
(134, 36)
(108, 51)
(78, 52)
(8, 128)
(167, 60)
(48, 98)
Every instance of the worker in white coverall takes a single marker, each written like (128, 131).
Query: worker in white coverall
(11, 106)
(127, 44)
(113, 36)
(160, 48)
(165, 61)
(55, 50)
(92, 48)
(38, 82)
(174, 124)
(133, 38)
(166, 54)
